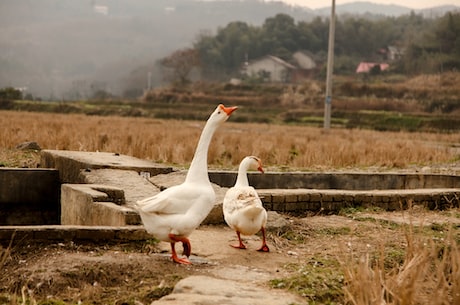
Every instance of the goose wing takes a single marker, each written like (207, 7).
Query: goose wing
(239, 198)
(174, 200)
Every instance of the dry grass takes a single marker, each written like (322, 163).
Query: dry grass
(280, 146)
(429, 274)
(447, 79)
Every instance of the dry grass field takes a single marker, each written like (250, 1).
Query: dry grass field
(281, 147)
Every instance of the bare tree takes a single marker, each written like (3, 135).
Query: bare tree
(180, 64)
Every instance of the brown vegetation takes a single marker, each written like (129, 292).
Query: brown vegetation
(280, 146)
(428, 274)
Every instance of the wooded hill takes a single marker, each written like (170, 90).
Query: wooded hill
(57, 48)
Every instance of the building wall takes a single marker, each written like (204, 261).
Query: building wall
(278, 73)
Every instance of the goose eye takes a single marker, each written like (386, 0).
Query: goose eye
(218, 112)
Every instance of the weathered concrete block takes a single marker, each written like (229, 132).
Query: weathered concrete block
(135, 186)
(328, 206)
(327, 197)
(265, 195)
(313, 206)
(70, 163)
(395, 204)
(278, 206)
(291, 206)
(268, 205)
(278, 198)
(88, 204)
(339, 181)
(11, 233)
(134, 233)
(77, 234)
(290, 198)
(95, 235)
(51, 233)
(303, 197)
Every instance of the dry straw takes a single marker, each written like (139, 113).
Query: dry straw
(429, 273)
(279, 146)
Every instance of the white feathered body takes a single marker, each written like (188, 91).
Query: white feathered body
(243, 210)
(178, 210)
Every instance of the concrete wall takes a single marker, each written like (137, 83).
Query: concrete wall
(343, 181)
(29, 196)
(299, 201)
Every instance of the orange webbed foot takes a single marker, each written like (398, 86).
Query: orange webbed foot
(240, 246)
(182, 261)
(264, 248)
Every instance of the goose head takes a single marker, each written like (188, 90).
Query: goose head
(252, 162)
(221, 114)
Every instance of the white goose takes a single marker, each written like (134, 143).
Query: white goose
(243, 209)
(174, 213)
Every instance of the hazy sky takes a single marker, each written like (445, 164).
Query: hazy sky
(416, 4)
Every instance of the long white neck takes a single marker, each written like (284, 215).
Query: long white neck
(242, 178)
(198, 171)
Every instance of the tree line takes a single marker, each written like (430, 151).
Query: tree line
(427, 45)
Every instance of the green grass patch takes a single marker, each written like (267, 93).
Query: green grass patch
(319, 281)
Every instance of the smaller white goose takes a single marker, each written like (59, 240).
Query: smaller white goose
(243, 209)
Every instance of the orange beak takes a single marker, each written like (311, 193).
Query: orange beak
(260, 169)
(228, 110)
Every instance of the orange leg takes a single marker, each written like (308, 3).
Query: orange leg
(241, 245)
(264, 247)
(187, 249)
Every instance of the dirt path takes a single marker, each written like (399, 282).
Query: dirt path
(140, 273)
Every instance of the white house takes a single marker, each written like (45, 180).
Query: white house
(274, 69)
(270, 68)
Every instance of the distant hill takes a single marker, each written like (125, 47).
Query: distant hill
(362, 8)
(438, 11)
(369, 8)
(56, 47)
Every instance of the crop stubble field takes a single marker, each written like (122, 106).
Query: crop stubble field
(281, 147)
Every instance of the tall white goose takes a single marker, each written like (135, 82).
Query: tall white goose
(174, 213)
(243, 209)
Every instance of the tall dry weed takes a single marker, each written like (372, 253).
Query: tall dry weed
(430, 274)
(279, 146)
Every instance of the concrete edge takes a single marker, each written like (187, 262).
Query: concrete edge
(67, 233)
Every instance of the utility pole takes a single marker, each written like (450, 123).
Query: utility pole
(330, 65)
(149, 81)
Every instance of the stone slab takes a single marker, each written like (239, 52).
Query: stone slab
(201, 289)
(70, 163)
(134, 186)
